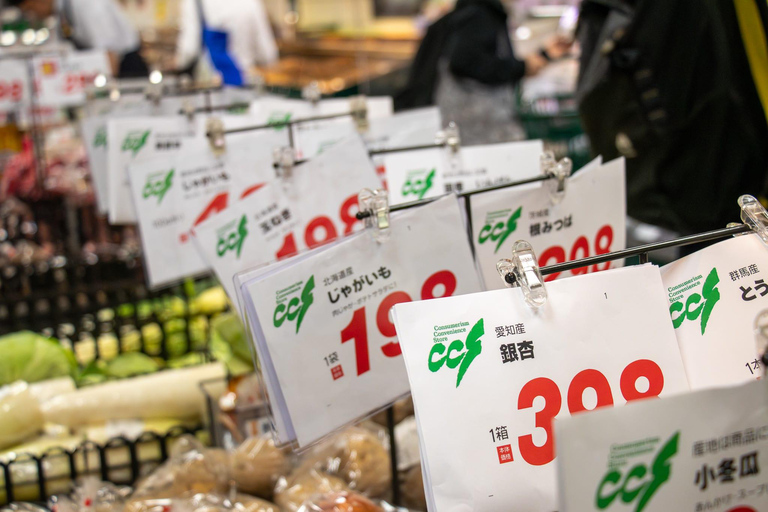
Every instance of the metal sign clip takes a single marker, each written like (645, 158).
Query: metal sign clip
(754, 215)
(285, 161)
(376, 202)
(359, 109)
(214, 130)
(523, 270)
(450, 137)
(560, 171)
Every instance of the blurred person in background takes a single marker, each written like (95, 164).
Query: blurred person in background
(679, 88)
(94, 25)
(467, 66)
(234, 34)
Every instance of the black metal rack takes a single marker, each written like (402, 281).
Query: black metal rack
(120, 460)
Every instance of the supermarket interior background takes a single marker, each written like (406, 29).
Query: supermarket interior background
(541, 224)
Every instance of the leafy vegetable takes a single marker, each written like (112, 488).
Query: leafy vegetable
(131, 364)
(30, 357)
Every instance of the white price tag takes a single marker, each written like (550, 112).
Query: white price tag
(489, 375)
(142, 139)
(706, 450)
(714, 297)
(590, 220)
(327, 313)
(425, 173)
(175, 194)
(62, 80)
(314, 207)
(14, 85)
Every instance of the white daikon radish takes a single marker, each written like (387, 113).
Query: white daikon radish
(170, 393)
(48, 389)
(20, 416)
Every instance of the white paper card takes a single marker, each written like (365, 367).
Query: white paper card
(314, 207)
(714, 297)
(706, 450)
(175, 194)
(488, 374)
(590, 220)
(327, 313)
(14, 85)
(62, 80)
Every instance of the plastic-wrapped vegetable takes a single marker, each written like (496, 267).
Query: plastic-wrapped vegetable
(412, 489)
(340, 502)
(20, 416)
(191, 469)
(292, 492)
(257, 464)
(171, 393)
(358, 455)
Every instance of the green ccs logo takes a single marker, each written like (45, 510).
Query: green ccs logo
(134, 141)
(640, 483)
(279, 120)
(697, 305)
(291, 307)
(498, 226)
(158, 183)
(459, 354)
(100, 139)
(232, 236)
(418, 183)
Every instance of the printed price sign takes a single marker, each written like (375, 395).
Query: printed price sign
(714, 297)
(141, 139)
(590, 220)
(175, 194)
(706, 450)
(14, 85)
(94, 132)
(316, 206)
(425, 173)
(327, 313)
(62, 80)
(489, 375)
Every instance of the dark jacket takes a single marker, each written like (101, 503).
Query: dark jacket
(475, 38)
(481, 48)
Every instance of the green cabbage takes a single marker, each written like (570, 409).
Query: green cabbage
(31, 358)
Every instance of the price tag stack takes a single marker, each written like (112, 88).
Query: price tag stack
(372, 256)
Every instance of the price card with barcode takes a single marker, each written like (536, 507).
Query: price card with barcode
(327, 313)
(63, 79)
(714, 296)
(589, 220)
(317, 205)
(489, 374)
(14, 85)
(706, 450)
(175, 194)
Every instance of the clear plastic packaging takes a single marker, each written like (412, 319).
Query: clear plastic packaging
(358, 455)
(257, 464)
(340, 502)
(293, 491)
(191, 469)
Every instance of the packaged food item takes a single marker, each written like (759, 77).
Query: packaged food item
(21, 417)
(246, 503)
(292, 492)
(412, 489)
(257, 464)
(402, 409)
(358, 455)
(340, 502)
(191, 469)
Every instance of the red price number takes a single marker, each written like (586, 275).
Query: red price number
(587, 379)
(581, 249)
(76, 82)
(321, 229)
(12, 90)
(357, 330)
